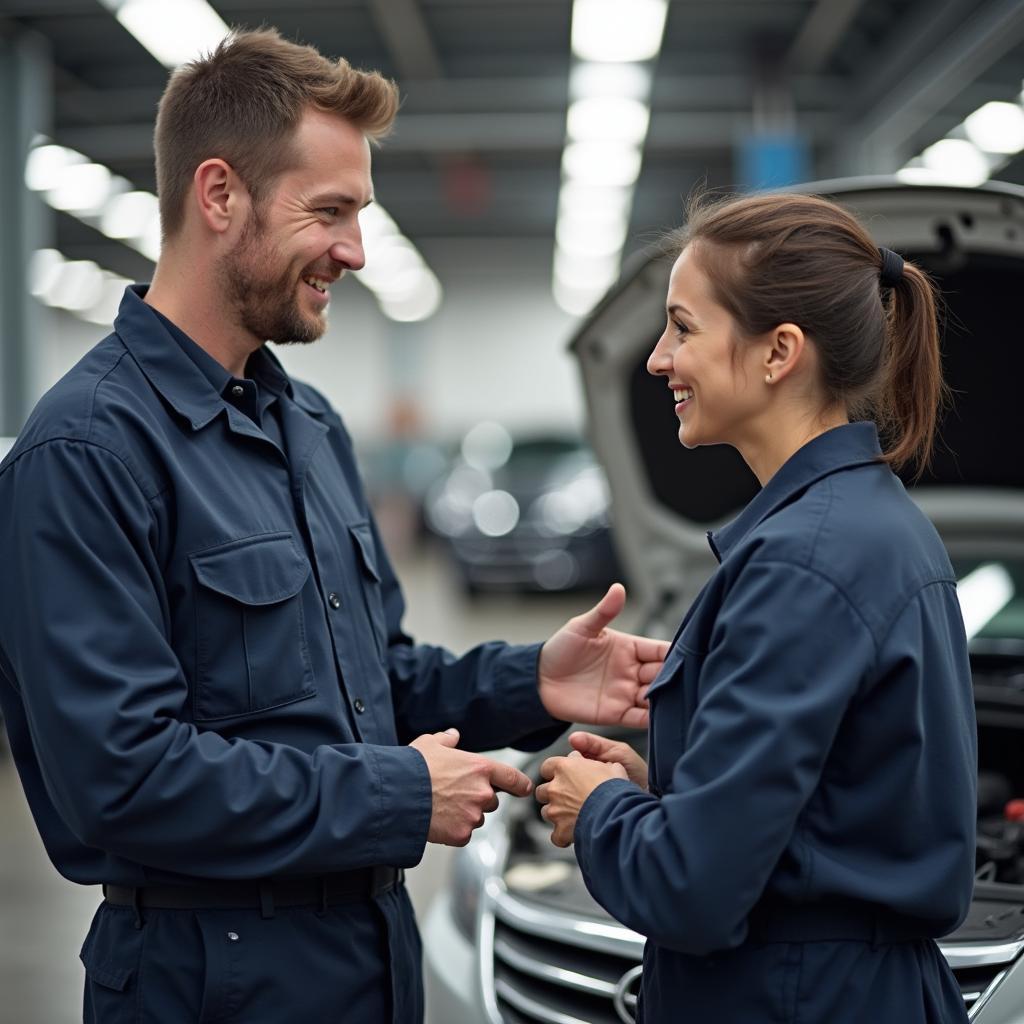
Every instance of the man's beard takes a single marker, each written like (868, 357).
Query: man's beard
(265, 304)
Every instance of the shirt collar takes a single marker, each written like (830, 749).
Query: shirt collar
(853, 444)
(189, 383)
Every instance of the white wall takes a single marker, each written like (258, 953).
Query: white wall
(496, 349)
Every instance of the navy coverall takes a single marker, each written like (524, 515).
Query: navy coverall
(812, 767)
(204, 678)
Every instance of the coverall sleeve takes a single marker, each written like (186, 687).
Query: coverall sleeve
(84, 626)
(786, 657)
(489, 693)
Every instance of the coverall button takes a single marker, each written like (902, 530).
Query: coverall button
(359, 706)
(333, 600)
(238, 391)
(232, 936)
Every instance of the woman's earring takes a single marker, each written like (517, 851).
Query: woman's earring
(767, 378)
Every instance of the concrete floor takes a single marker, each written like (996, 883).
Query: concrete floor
(44, 918)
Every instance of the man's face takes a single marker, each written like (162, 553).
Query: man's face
(303, 236)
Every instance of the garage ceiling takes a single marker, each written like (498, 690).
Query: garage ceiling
(478, 143)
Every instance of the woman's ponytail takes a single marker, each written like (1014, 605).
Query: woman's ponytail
(912, 389)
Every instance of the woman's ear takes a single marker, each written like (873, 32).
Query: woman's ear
(786, 344)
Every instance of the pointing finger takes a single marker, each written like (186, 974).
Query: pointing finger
(589, 744)
(509, 779)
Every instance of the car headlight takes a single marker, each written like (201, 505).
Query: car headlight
(466, 888)
(471, 867)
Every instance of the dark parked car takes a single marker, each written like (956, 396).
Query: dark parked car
(516, 938)
(529, 513)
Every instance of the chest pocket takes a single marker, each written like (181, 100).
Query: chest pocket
(366, 556)
(251, 652)
(673, 699)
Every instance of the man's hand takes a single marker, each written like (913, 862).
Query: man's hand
(463, 786)
(571, 780)
(600, 748)
(599, 676)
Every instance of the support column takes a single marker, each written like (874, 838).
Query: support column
(775, 154)
(26, 105)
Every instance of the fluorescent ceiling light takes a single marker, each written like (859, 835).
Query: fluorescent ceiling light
(997, 128)
(601, 163)
(421, 304)
(590, 79)
(576, 301)
(983, 593)
(44, 272)
(83, 189)
(129, 215)
(957, 162)
(579, 270)
(46, 164)
(607, 119)
(150, 242)
(79, 286)
(174, 33)
(104, 310)
(586, 237)
(613, 30)
(577, 199)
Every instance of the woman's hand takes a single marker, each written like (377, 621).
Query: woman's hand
(570, 781)
(600, 748)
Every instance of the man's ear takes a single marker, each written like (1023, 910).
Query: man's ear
(786, 344)
(219, 194)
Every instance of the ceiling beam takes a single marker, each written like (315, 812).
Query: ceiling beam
(938, 56)
(820, 33)
(456, 133)
(403, 27)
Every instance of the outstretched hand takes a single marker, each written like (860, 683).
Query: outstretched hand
(596, 675)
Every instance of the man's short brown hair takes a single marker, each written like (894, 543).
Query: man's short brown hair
(243, 103)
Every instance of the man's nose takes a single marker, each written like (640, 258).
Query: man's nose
(349, 252)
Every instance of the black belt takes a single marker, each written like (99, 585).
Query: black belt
(265, 895)
(835, 921)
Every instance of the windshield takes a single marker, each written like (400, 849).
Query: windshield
(991, 593)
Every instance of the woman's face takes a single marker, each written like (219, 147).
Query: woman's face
(716, 381)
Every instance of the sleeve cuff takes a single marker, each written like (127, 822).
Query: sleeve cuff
(405, 802)
(594, 811)
(526, 716)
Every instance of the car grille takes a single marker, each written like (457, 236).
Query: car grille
(543, 975)
(552, 969)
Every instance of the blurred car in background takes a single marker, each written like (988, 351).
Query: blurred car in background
(529, 513)
(515, 938)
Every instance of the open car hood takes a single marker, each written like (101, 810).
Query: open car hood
(665, 498)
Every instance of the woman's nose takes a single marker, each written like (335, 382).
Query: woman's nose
(659, 362)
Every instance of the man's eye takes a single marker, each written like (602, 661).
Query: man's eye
(331, 211)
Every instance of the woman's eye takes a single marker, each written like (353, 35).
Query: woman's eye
(679, 328)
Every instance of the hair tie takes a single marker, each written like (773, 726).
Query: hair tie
(892, 268)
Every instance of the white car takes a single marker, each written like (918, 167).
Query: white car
(515, 938)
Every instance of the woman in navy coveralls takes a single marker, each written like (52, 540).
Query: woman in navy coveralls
(805, 829)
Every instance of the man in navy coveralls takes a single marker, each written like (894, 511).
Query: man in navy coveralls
(210, 700)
